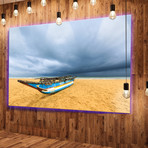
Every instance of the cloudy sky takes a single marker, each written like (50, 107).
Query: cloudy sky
(91, 48)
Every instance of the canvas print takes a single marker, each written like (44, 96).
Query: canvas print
(78, 66)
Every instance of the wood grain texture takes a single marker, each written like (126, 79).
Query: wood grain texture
(115, 130)
(15, 140)
(9, 1)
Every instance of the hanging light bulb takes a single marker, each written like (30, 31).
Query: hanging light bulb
(59, 20)
(126, 92)
(112, 14)
(15, 12)
(3, 20)
(146, 91)
(43, 3)
(75, 4)
(92, 2)
(29, 9)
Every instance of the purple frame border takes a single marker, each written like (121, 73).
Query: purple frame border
(69, 110)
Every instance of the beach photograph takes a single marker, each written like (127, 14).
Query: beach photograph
(77, 66)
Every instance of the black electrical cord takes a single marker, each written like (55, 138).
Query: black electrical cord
(3, 6)
(126, 39)
(58, 5)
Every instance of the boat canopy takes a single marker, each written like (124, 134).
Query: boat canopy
(50, 80)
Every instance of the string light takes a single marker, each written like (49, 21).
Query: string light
(126, 92)
(59, 20)
(29, 9)
(146, 91)
(43, 3)
(75, 4)
(15, 12)
(112, 14)
(3, 20)
(92, 2)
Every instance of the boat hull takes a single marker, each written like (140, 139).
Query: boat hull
(49, 89)
(57, 88)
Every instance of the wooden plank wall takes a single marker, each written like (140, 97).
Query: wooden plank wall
(102, 129)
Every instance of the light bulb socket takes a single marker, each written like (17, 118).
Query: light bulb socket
(15, 7)
(3, 15)
(58, 14)
(146, 84)
(29, 4)
(112, 7)
(126, 86)
(75, 1)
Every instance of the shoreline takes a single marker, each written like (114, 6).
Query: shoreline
(93, 78)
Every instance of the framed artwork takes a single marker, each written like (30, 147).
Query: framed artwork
(78, 66)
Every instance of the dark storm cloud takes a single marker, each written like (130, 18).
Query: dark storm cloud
(84, 48)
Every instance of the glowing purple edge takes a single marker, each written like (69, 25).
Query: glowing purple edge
(68, 110)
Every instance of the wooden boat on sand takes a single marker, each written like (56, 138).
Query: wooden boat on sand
(49, 85)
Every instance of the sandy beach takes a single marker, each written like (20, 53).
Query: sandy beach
(84, 94)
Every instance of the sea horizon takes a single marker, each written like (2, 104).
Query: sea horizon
(75, 78)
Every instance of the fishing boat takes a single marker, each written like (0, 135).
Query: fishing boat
(48, 85)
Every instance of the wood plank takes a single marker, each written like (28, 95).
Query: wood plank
(101, 129)
(13, 140)
(9, 1)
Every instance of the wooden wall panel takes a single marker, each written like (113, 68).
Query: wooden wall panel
(103, 129)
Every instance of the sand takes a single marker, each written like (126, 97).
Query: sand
(84, 94)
